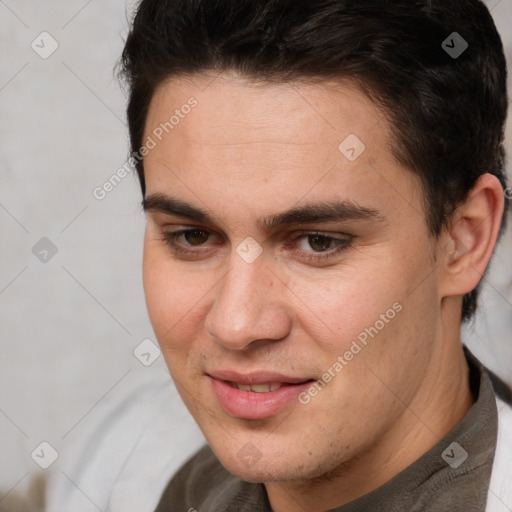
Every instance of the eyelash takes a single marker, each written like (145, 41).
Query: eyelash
(169, 238)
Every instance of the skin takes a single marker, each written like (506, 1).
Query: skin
(249, 151)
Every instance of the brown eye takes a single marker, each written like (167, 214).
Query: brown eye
(320, 248)
(319, 242)
(196, 236)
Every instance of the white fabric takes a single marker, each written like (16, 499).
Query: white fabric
(132, 449)
(500, 489)
(122, 458)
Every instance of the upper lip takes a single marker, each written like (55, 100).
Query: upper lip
(259, 377)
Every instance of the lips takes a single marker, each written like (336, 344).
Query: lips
(262, 377)
(257, 395)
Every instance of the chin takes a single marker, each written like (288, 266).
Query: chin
(270, 468)
(262, 474)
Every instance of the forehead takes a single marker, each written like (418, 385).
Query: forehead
(281, 113)
(291, 140)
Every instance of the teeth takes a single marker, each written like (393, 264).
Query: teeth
(259, 388)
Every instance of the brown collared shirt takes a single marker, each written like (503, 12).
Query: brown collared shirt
(453, 476)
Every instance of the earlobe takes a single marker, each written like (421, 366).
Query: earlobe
(472, 236)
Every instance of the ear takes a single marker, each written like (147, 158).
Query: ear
(471, 237)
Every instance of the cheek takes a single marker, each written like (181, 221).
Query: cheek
(382, 297)
(334, 309)
(174, 298)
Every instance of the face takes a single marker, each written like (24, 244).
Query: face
(287, 269)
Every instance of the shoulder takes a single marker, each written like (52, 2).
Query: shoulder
(204, 484)
(193, 484)
(500, 490)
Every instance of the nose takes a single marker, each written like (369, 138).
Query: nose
(249, 306)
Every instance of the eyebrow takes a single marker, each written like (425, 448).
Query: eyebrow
(307, 214)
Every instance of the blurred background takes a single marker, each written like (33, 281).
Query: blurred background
(74, 328)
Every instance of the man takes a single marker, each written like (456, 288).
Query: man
(323, 196)
(324, 188)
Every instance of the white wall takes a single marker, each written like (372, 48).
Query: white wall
(69, 326)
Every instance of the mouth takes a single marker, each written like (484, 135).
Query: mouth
(260, 388)
(256, 396)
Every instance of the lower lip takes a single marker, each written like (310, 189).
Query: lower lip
(256, 406)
